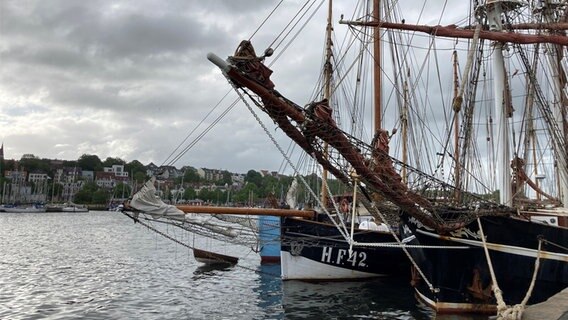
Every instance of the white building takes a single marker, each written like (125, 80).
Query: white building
(117, 169)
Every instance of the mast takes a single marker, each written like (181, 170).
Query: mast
(327, 93)
(559, 105)
(376, 65)
(494, 12)
(404, 125)
(457, 107)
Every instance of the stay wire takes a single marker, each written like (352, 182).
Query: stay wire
(192, 131)
(169, 237)
(266, 19)
(201, 135)
(204, 132)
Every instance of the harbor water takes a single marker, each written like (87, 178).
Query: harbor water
(100, 265)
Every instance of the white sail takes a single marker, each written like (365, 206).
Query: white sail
(147, 202)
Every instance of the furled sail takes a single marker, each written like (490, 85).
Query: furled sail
(147, 202)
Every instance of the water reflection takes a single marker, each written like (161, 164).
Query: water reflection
(381, 299)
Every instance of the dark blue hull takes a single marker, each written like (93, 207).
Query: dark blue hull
(458, 268)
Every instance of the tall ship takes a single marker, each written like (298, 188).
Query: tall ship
(484, 223)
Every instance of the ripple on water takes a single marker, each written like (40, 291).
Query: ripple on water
(99, 265)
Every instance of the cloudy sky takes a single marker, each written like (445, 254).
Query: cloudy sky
(130, 79)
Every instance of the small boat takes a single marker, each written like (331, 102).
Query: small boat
(27, 209)
(213, 258)
(71, 207)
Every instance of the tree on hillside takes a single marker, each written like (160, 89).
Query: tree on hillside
(191, 176)
(35, 165)
(90, 162)
(244, 194)
(85, 195)
(140, 177)
(227, 178)
(254, 177)
(189, 194)
(121, 190)
(69, 163)
(109, 162)
(101, 196)
(135, 167)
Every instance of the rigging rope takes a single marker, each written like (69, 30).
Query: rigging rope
(167, 236)
(505, 312)
(341, 231)
(266, 19)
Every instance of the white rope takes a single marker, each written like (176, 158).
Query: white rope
(505, 312)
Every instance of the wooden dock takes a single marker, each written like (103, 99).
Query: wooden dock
(555, 308)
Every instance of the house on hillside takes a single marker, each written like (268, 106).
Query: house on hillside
(118, 170)
(109, 179)
(151, 169)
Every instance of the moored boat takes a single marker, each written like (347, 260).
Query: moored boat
(71, 207)
(313, 250)
(24, 209)
(213, 258)
(464, 243)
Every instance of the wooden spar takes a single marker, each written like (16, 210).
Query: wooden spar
(245, 211)
(457, 108)
(558, 26)
(452, 31)
(377, 65)
(290, 111)
(327, 95)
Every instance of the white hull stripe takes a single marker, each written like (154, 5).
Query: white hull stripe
(503, 248)
(301, 268)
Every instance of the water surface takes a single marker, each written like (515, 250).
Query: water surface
(100, 265)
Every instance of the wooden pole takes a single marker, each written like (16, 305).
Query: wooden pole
(246, 211)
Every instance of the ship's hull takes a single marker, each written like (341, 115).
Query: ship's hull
(317, 251)
(456, 264)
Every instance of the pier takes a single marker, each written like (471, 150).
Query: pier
(555, 308)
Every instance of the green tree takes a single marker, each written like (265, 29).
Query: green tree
(136, 169)
(90, 163)
(85, 195)
(109, 162)
(140, 177)
(189, 194)
(243, 195)
(35, 165)
(69, 163)
(122, 189)
(101, 196)
(254, 177)
(227, 179)
(206, 195)
(191, 176)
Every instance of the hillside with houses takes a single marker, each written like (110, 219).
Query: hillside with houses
(90, 180)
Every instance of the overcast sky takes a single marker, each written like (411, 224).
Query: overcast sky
(130, 79)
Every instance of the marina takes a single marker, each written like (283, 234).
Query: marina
(425, 177)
